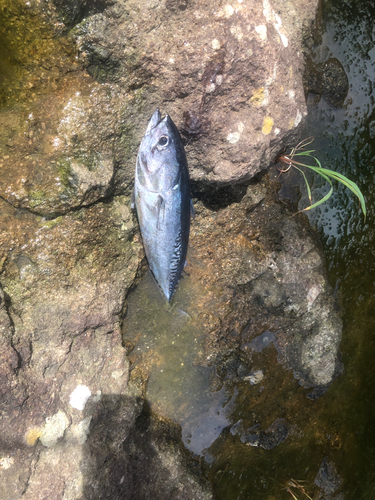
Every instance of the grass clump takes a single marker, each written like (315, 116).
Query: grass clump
(287, 161)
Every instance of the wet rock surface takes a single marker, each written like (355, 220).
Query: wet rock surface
(328, 480)
(328, 80)
(271, 273)
(67, 406)
(269, 439)
(253, 335)
(229, 76)
(73, 424)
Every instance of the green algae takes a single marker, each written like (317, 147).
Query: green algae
(64, 168)
(37, 198)
(31, 54)
(49, 224)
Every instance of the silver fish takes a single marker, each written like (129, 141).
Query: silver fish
(162, 199)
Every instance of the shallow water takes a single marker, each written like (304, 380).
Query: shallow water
(166, 338)
(265, 408)
(168, 342)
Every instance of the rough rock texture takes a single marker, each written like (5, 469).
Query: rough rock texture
(328, 80)
(74, 110)
(271, 273)
(230, 75)
(328, 480)
(257, 344)
(66, 404)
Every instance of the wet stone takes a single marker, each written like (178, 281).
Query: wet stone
(262, 341)
(254, 377)
(329, 81)
(269, 439)
(327, 478)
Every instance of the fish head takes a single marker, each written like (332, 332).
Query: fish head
(161, 155)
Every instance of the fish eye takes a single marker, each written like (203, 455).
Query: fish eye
(163, 141)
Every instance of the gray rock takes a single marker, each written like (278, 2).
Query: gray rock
(328, 80)
(327, 478)
(269, 439)
(271, 271)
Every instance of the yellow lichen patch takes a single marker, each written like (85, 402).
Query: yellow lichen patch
(291, 124)
(267, 125)
(257, 97)
(32, 435)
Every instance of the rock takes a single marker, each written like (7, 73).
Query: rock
(269, 439)
(74, 11)
(66, 281)
(335, 83)
(329, 81)
(229, 77)
(252, 47)
(271, 273)
(327, 479)
(65, 375)
(54, 429)
(257, 302)
(67, 158)
(255, 377)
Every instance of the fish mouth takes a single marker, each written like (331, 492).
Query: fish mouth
(156, 120)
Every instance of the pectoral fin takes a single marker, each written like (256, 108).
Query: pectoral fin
(160, 207)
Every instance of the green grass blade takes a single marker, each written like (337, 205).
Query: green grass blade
(345, 181)
(325, 198)
(307, 184)
(325, 173)
(304, 153)
(330, 174)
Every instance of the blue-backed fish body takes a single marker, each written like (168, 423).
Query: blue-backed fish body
(162, 200)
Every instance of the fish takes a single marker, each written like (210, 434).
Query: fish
(162, 201)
